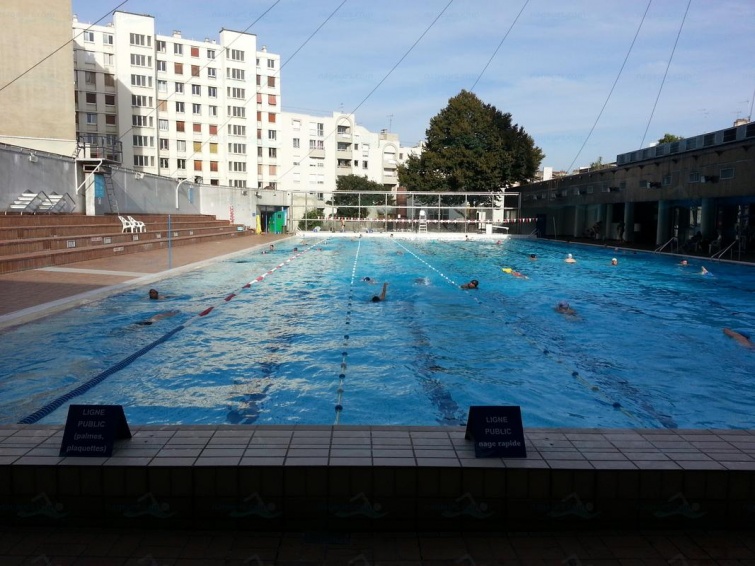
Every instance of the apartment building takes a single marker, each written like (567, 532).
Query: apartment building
(205, 110)
(316, 150)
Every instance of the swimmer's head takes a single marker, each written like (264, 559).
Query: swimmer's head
(614, 261)
(533, 256)
(563, 305)
(568, 256)
(153, 294)
(366, 279)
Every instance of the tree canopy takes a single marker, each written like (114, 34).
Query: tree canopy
(471, 147)
(348, 203)
(668, 138)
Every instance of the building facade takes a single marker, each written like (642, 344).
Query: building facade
(659, 195)
(36, 76)
(202, 110)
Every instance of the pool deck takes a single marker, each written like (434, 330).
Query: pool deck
(357, 495)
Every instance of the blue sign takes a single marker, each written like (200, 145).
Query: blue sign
(91, 430)
(497, 432)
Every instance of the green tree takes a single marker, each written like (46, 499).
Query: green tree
(668, 138)
(314, 218)
(354, 205)
(471, 147)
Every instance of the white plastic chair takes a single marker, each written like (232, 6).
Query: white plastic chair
(126, 225)
(137, 224)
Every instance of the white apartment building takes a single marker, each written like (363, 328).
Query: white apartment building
(316, 150)
(205, 110)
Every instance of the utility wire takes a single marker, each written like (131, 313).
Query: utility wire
(38, 63)
(613, 86)
(663, 81)
(388, 74)
(499, 46)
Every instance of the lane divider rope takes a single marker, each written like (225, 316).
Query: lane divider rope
(83, 388)
(345, 352)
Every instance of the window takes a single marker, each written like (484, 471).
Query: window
(237, 111)
(316, 144)
(141, 121)
(726, 173)
(89, 58)
(694, 177)
(259, 98)
(212, 110)
(237, 166)
(237, 74)
(239, 148)
(180, 107)
(162, 67)
(178, 49)
(164, 144)
(109, 79)
(180, 164)
(162, 86)
(143, 161)
(271, 82)
(197, 165)
(212, 72)
(162, 125)
(194, 51)
(240, 184)
(212, 91)
(160, 46)
(272, 152)
(236, 93)
(108, 59)
(197, 147)
(181, 146)
(140, 40)
(91, 119)
(271, 118)
(195, 70)
(90, 78)
(141, 80)
(213, 148)
(164, 163)
(210, 53)
(296, 124)
(320, 129)
(259, 151)
(162, 105)
(259, 116)
(235, 55)
(271, 99)
(110, 119)
(213, 166)
(143, 141)
(364, 165)
(107, 39)
(196, 109)
(273, 169)
(296, 143)
(179, 88)
(196, 90)
(180, 126)
(197, 127)
(140, 100)
(89, 36)
(237, 130)
(140, 60)
(178, 68)
(91, 98)
(259, 133)
(271, 64)
(213, 129)
(272, 135)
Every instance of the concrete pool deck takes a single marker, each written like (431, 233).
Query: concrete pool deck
(356, 495)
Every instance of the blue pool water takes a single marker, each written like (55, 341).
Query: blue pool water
(646, 347)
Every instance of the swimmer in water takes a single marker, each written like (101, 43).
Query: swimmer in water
(739, 337)
(473, 284)
(570, 259)
(563, 308)
(381, 296)
(159, 316)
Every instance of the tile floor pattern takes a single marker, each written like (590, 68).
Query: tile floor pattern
(105, 547)
(66, 545)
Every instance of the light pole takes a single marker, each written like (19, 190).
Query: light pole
(178, 186)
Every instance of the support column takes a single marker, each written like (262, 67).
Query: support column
(662, 229)
(579, 218)
(708, 219)
(629, 222)
(602, 217)
(609, 233)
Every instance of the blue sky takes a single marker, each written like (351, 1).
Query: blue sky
(553, 73)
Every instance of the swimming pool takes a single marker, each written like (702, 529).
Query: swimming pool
(304, 344)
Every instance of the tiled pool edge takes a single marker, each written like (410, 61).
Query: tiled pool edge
(381, 478)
